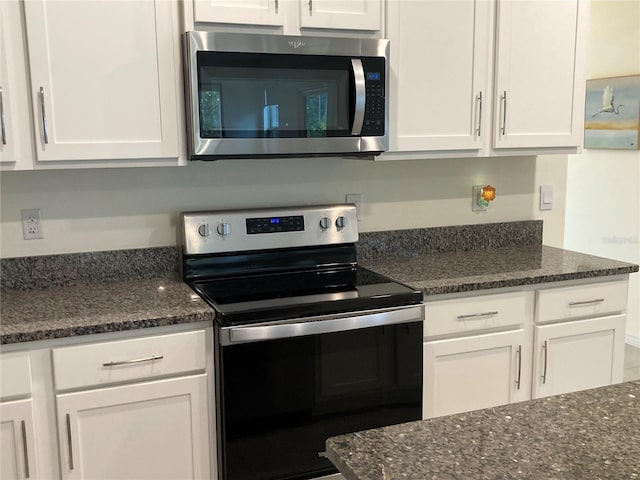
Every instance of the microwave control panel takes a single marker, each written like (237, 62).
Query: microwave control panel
(374, 110)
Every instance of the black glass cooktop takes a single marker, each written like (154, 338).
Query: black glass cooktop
(249, 299)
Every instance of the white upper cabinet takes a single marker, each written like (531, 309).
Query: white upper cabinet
(16, 150)
(439, 74)
(103, 79)
(456, 91)
(253, 12)
(291, 16)
(341, 14)
(539, 77)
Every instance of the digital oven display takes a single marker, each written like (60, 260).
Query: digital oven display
(293, 223)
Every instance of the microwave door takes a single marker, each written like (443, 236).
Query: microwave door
(360, 95)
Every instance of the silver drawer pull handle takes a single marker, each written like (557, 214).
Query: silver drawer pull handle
(477, 315)
(503, 129)
(137, 360)
(45, 128)
(69, 444)
(587, 302)
(546, 361)
(519, 352)
(25, 452)
(479, 129)
(4, 132)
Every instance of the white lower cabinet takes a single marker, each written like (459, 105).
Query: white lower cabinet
(17, 440)
(471, 373)
(147, 430)
(487, 350)
(578, 355)
(17, 430)
(126, 407)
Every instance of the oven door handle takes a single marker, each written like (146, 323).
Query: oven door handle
(320, 325)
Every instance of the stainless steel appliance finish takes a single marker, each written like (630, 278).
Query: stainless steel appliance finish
(350, 77)
(307, 344)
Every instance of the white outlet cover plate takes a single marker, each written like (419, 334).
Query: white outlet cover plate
(29, 217)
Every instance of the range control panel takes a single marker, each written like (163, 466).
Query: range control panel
(263, 229)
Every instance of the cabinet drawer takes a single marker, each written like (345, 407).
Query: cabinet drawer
(582, 301)
(465, 315)
(127, 360)
(15, 375)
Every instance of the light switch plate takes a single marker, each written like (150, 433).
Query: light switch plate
(356, 199)
(546, 197)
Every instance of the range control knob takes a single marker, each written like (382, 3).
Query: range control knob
(223, 229)
(325, 223)
(204, 230)
(341, 222)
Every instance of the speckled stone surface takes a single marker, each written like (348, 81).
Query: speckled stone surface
(454, 272)
(80, 268)
(98, 308)
(588, 435)
(459, 238)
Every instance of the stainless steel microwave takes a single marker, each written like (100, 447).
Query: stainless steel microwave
(254, 96)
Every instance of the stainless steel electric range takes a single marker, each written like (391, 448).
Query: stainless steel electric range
(308, 344)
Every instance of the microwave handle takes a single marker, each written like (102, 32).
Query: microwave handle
(360, 96)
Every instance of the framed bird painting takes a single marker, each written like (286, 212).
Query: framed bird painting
(612, 113)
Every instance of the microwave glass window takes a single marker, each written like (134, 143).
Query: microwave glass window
(210, 116)
(316, 113)
(249, 96)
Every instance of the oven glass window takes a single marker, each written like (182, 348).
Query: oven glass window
(283, 398)
(244, 95)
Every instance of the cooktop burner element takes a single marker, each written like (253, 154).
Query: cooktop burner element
(255, 266)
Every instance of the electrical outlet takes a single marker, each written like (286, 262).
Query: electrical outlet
(356, 199)
(31, 224)
(475, 197)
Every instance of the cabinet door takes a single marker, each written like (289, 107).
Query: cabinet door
(103, 79)
(17, 455)
(539, 92)
(141, 431)
(343, 14)
(15, 148)
(246, 12)
(578, 355)
(440, 58)
(470, 373)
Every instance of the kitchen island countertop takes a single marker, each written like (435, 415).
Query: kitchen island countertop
(592, 434)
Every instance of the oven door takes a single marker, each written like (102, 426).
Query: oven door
(281, 398)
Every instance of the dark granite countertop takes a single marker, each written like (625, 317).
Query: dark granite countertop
(461, 271)
(593, 434)
(57, 296)
(84, 309)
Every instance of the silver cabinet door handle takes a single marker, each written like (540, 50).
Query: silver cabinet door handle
(587, 302)
(479, 129)
(45, 128)
(503, 129)
(544, 371)
(519, 352)
(276, 6)
(135, 360)
(477, 315)
(69, 442)
(2, 127)
(360, 97)
(25, 452)
(310, 7)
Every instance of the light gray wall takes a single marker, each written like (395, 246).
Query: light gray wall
(603, 186)
(107, 209)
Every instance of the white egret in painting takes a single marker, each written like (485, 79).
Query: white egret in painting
(607, 102)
